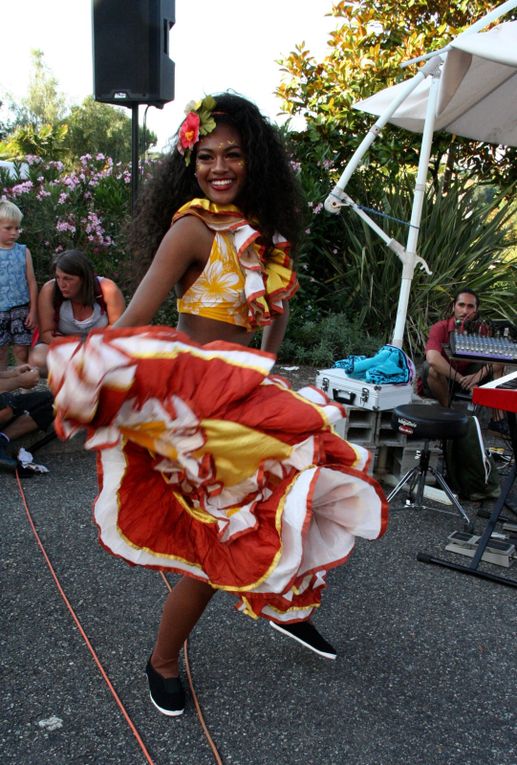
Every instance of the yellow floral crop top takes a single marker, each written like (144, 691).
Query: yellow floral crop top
(242, 283)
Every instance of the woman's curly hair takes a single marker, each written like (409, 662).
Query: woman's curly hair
(271, 198)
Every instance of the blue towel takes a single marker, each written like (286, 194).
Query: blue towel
(390, 366)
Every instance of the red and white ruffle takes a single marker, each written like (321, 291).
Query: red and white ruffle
(210, 467)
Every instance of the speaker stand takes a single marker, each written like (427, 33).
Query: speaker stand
(134, 156)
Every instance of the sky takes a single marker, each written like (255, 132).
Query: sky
(216, 45)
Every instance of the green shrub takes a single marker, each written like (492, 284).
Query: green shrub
(85, 209)
(319, 343)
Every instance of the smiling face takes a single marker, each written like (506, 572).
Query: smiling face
(69, 284)
(9, 233)
(221, 165)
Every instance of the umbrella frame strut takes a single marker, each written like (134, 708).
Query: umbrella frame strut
(338, 199)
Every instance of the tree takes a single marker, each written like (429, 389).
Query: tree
(43, 127)
(37, 128)
(366, 51)
(44, 104)
(6, 125)
(96, 127)
(343, 266)
(45, 141)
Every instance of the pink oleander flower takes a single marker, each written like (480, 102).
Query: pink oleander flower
(21, 188)
(189, 132)
(65, 226)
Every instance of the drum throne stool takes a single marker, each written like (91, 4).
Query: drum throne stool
(427, 423)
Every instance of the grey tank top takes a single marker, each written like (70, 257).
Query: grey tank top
(68, 325)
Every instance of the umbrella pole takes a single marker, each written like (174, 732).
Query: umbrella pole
(335, 200)
(410, 258)
(492, 15)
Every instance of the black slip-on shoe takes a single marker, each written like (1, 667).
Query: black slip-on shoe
(166, 693)
(307, 635)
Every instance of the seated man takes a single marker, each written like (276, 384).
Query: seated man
(21, 413)
(442, 376)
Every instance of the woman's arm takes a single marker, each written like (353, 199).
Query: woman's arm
(273, 335)
(114, 299)
(187, 242)
(47, 324)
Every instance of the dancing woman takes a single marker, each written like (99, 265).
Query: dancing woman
(210, 466)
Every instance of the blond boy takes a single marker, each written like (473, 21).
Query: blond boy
(18, 288)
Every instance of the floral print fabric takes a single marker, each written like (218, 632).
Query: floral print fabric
(242, 283)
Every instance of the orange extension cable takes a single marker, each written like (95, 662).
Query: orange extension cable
(96, 659)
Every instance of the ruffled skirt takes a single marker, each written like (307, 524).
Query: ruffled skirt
(210, 467)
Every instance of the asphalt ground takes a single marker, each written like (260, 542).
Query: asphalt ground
(425, 673)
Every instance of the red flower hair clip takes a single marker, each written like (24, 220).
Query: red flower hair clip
(198, 122)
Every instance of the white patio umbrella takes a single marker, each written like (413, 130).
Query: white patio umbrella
(468, 88)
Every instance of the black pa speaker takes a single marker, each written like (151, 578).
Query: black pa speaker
(131, 63)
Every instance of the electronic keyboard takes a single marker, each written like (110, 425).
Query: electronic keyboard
(498, 394)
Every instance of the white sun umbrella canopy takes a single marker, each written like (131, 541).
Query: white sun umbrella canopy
(477, 96)
(468, 88)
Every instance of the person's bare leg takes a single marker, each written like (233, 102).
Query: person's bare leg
(38, 358)
(21, 353)
(183, 608)
(20, 427)
(4, 353)
(438, 386)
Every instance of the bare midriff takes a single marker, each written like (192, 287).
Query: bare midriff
(203, 330)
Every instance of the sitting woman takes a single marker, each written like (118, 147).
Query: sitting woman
(73, 303)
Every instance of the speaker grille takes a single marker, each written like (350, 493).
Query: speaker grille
(131, 51)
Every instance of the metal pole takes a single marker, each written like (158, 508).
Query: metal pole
(416, 212)
(332, 203)
(134, 156)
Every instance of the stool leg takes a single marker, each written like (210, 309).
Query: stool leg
(415, 476)
(408, 478)
(423, 466)
(452, 497)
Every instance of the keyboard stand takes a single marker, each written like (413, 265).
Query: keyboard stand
(500, 503)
